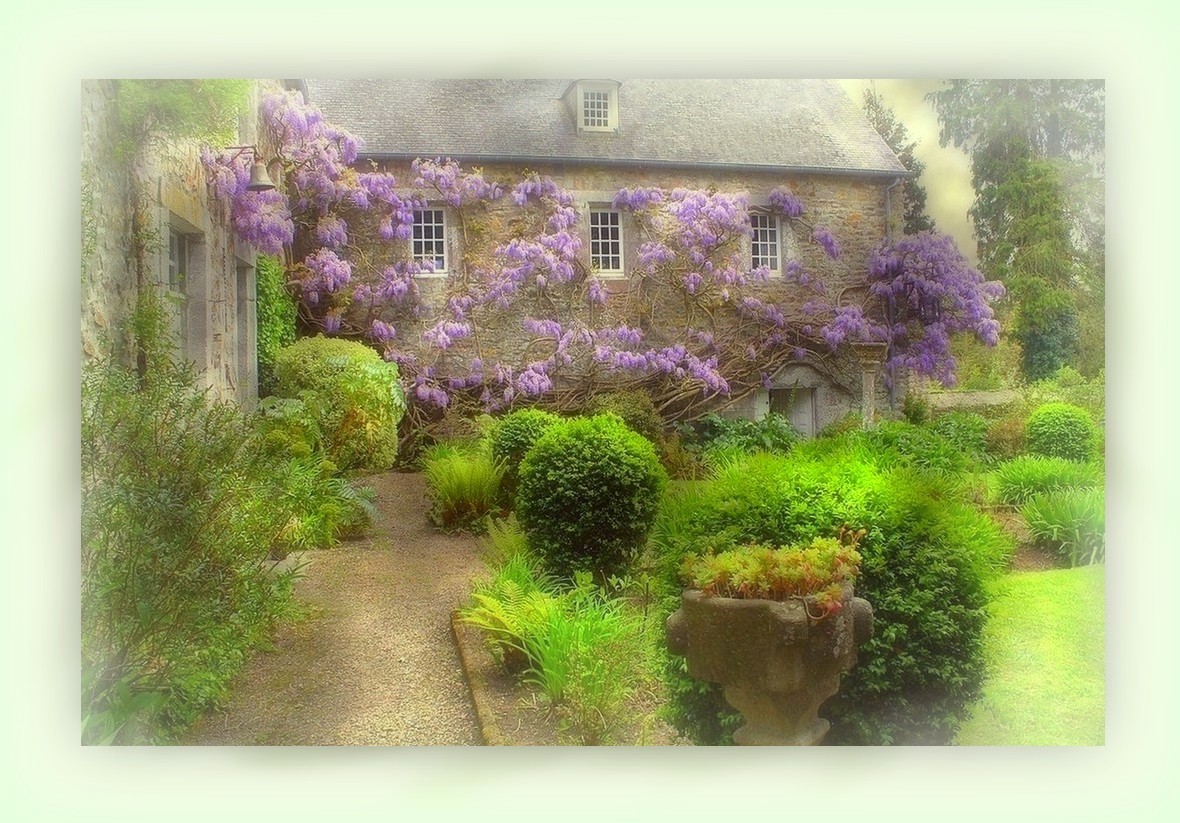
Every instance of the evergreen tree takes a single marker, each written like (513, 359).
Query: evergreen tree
(897, 137)
(1037, 149)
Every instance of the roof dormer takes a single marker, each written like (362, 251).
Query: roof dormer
(595, 104)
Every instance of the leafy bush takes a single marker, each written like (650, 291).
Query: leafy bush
(180, 510)
(1005, 437)
(915, 408)
(925, 553)
(464, 490)
(1023, 477)
(966, 431)
(290, 426)
(589, 491)
(512, 436)
(1072, 521)
(1068, 386)
(276, 318)
(321, 509)
(773, 433)
(916, 446)
(1061, 430)
(357, 402)
(636, 409)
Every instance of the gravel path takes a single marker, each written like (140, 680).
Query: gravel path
(375, 664)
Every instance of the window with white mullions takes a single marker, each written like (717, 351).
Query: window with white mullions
(765, 242)
(606, 241)
(428, 244)
(596, 109)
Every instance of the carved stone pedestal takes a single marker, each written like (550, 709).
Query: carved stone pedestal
(776, 662)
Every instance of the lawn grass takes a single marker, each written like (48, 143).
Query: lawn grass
(1045, 646)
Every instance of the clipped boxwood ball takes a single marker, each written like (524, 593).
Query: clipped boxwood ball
(1061, 430)
(514, 434)
(589, 491)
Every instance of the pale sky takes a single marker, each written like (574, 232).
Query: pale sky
(947, 177)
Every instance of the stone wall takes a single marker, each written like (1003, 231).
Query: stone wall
(108, 285)
(853, 208)
(213, 302)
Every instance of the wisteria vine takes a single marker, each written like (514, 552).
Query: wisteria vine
(695, 321)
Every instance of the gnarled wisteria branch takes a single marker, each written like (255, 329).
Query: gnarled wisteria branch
(519, 318)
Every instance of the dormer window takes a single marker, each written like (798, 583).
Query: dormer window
(597, 106)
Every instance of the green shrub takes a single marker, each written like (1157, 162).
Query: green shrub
(1020, 478)
(636, 409)
(359, 399)
(1071, 521)
(464, 490)
(925, 553)
(966, 431)
(512, 436)
(916, 446)
(290, 426)
(773, 433)
(321, 509)
(276, 318)
(1005, 437)
(680, 462)
(589, 491)
(1068, 386)
(915, 408)
(181, 506)
(1061, 430)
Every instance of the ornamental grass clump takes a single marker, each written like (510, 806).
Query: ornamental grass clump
(817, 571)
(1071, 521)
(585, 652)
(589, 492)
(1021, 478)
(464, 490)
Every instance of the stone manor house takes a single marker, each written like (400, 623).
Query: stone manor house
(592, 137)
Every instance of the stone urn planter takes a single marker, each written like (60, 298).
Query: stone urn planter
(778, 660)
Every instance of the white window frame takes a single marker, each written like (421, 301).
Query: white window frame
(775, 224)
(611, 92)
(444, 239)
(179, 250)
(612, 273)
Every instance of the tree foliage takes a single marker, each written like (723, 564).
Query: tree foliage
(1037, 149)
(897, 137)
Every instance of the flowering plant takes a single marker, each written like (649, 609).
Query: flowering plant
(697, 321)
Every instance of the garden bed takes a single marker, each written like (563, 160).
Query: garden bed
(510, 714)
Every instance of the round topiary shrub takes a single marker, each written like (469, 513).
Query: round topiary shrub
(512, 437)
(589, 491)
(1061, 430)
(355, 396)
(635, 407)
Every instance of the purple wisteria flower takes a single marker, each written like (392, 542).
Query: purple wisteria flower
(786, 202)
(826, 239)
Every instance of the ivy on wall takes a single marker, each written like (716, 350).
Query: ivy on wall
(276, 318)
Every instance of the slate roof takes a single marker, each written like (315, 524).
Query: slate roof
(809, 125)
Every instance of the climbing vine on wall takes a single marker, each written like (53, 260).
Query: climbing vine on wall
(521, 267)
